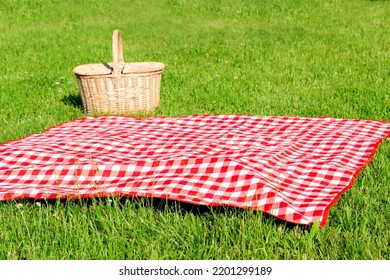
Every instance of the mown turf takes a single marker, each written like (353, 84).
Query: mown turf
(296, 58)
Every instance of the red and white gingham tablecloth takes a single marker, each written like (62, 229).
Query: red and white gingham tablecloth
(292, 168)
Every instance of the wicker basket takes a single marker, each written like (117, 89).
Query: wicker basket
(119, 87)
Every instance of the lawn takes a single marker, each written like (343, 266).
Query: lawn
(265, 58)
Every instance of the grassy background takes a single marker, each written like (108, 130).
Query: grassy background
(297, 58)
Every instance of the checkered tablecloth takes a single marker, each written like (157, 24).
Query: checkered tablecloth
(292, 168)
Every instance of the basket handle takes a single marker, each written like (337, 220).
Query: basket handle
(117, 52)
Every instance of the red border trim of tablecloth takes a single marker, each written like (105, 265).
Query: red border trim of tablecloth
(355, 175)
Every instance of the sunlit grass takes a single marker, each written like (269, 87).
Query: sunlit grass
(296, 58)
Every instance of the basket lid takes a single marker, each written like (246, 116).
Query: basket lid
(93, 69)
(143, 67)
(127, 68)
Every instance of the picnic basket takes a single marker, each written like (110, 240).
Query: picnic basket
(119, 87)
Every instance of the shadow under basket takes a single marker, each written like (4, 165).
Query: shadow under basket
(118, 87)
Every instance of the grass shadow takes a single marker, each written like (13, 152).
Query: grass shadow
(73, 99)
(160, 205)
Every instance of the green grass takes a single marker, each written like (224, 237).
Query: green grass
(296, 58)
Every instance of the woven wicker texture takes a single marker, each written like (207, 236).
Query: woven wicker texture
(119, 87)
